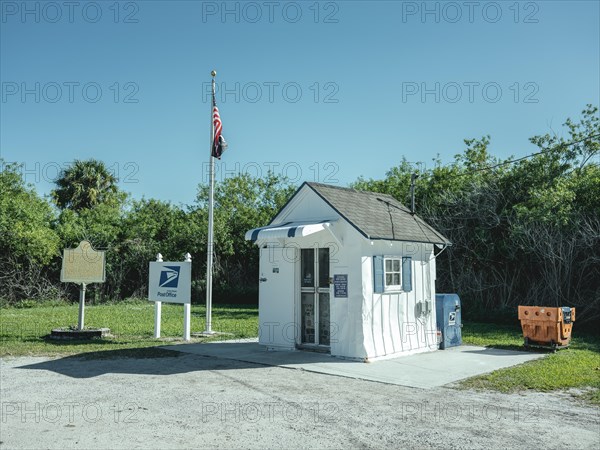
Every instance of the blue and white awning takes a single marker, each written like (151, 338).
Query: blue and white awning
(287, 230)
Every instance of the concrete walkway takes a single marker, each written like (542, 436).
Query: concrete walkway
(424, 370)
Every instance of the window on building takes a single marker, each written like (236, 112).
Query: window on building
(393, 276)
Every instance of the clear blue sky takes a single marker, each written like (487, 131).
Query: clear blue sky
(374, 58)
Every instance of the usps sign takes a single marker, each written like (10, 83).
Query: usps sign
(170, 282)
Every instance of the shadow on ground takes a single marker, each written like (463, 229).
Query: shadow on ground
(423, 370)
(512, 348)
(163, 361)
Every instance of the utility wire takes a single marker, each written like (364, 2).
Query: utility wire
(547, 150)
(566, 144)
(415, 218)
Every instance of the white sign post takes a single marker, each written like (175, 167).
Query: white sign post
(157, 308)
(171, 282)
(187, 307)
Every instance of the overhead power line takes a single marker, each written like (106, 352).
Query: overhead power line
(546, 150)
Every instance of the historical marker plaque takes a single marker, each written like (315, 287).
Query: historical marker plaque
(83, 264)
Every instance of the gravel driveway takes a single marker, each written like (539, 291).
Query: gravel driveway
(185, 400)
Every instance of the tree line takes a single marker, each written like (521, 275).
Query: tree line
(524, 230)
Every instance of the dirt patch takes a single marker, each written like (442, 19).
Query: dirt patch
(194, 401)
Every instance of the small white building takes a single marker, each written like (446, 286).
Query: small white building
(347, 272)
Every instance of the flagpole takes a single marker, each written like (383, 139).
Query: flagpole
(211, 199)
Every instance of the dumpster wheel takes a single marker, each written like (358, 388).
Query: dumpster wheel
(552, 346)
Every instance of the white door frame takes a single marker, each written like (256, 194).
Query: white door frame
(316, 290)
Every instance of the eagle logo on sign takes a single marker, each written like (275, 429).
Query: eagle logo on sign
(169, 277)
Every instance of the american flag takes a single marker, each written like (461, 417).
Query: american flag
(219, 145)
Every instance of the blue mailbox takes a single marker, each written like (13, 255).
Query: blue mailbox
(449, 323)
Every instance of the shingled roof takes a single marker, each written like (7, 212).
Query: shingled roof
(377, 216)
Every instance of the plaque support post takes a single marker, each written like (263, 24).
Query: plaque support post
(80, 322)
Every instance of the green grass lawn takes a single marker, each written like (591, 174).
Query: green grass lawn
(24, 331)
(577, 367)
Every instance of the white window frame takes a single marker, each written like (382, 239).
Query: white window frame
(392, 287)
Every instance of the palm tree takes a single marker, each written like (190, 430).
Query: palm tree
(86, 184)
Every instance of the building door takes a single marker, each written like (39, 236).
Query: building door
(276, 293)
(314, 297)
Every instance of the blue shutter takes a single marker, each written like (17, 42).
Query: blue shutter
(407, 274)
(378, 274)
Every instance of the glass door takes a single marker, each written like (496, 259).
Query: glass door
(314, 297)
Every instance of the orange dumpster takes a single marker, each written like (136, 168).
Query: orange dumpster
(547, 326)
